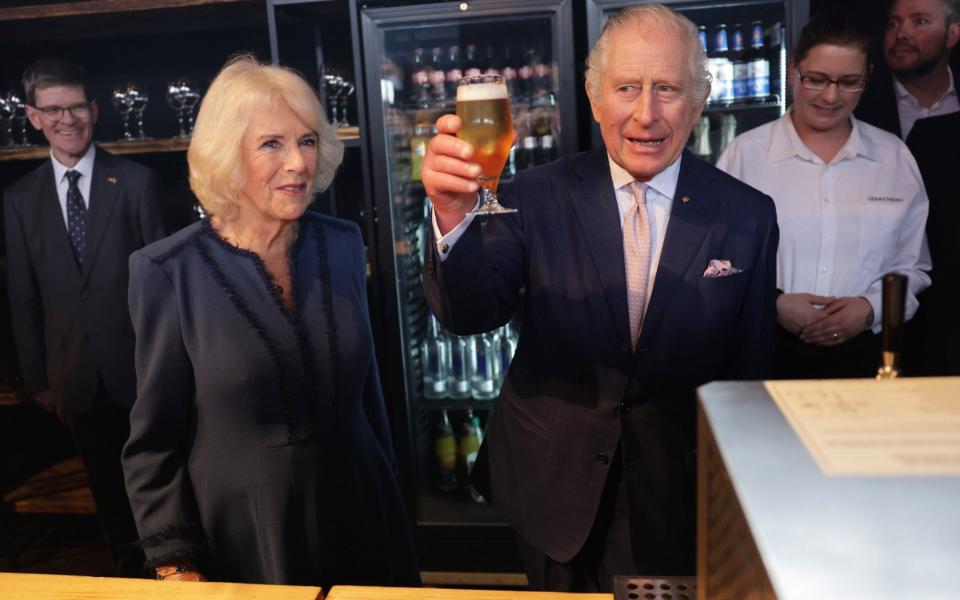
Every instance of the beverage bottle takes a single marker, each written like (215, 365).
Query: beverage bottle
(701, 146)
(435, 353)
(471, 64)
(438, 76)
(445, 452)
(418, 148)
(491, 63)
(471, 436)
(420, 80)
(526, 154)
(702, 34)
(545, 151)
(728, 131)
(741, 76)
(483, 372)
(454, 72)
(509, 72)
(507, 347)
(458, 382)
(721, 66)
(759, 66)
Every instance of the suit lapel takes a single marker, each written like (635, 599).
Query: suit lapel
(595, 205)
(52, 217)
(104, 188)
(690, 219)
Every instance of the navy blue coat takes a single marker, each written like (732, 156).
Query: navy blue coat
(259, 443)
(575, 390)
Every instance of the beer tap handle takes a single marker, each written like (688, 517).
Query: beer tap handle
(894, 305)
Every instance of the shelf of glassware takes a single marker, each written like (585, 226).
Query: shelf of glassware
(48, 10)
(350, 136)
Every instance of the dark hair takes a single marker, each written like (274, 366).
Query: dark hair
(50, 72)
(951, 10)
(835, 27)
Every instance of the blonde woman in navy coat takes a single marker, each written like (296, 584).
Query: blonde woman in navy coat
(259, 448)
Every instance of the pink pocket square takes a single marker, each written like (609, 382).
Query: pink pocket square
(720, 268)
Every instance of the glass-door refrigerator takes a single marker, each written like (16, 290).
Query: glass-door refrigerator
(748, 45)
(414, 53)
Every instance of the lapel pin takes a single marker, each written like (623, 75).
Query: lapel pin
(111, 179)
(685, 199)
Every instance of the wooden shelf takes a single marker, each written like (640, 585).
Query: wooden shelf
(349, 135)
(95, 7)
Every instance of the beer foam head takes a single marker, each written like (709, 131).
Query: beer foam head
(481, 91)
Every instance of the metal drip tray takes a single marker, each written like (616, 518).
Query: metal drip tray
(655, 588)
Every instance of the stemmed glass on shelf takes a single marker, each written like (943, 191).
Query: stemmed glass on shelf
(123, 106)
(18, 113)
(182, 97)
(6, 120)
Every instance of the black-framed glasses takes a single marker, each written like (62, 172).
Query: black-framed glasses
(819, 82)
(80, 110)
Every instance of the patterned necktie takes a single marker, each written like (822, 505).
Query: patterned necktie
(636, 253)
(76, 217)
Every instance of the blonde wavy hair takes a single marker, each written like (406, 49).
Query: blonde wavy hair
(242, 89)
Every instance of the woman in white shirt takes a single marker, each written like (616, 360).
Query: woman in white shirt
(850, 204)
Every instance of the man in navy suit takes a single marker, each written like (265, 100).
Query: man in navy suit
(645, 273)
(70, 225)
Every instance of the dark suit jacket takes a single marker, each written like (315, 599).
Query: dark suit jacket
(878, 106)
(575, 391)
(933, 142)
(259, 443)
(72, 327)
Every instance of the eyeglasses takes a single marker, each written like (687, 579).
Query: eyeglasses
(80, 110)
(819, 82)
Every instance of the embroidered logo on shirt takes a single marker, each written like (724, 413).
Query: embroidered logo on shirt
(883, 199)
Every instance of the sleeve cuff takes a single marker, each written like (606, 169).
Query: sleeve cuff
(446, 243)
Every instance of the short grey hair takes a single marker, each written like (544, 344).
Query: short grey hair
(652, 15)
(951, 10)
(243, 89)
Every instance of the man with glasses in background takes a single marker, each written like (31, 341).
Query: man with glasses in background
(850, 204)
(70, 226)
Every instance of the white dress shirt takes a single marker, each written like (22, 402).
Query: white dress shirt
(910, 110)
(845, 224)
(659, 201)
(85, 168)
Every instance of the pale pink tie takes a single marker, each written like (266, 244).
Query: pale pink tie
(636, 254)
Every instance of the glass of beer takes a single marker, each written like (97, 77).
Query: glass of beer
(484, 110)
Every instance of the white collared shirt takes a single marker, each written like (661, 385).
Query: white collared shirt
(845, 224)
(910, 110)
(659, 201)
(85, 168)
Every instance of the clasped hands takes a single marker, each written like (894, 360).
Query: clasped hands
(824, 320)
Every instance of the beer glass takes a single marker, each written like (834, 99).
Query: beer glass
(484, 110)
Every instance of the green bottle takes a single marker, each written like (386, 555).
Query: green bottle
(445, 449)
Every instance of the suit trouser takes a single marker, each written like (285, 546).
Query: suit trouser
(99, 434)
(605, 553)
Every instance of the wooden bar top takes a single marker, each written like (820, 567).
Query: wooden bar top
(24, 586)
(349, 592)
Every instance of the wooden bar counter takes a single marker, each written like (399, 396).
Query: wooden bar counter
(22, 586)
(349, 592)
